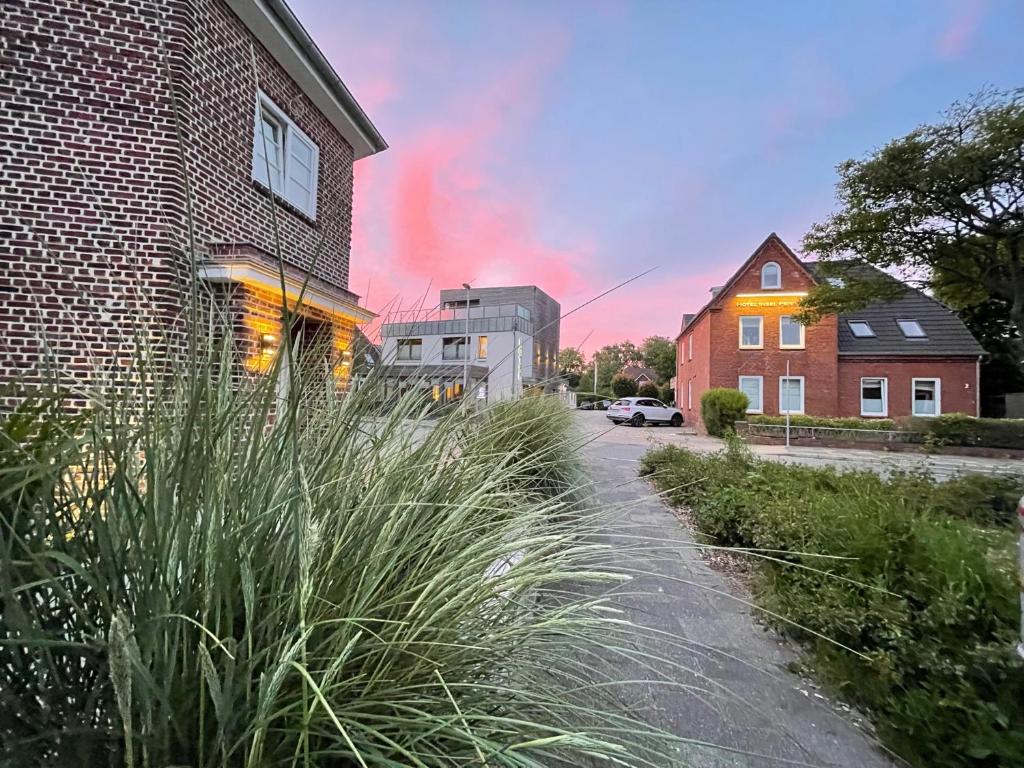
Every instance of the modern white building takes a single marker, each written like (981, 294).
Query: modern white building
(501, 340)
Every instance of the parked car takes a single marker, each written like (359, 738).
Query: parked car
(602, 405)
(638, 411)
(588, 406)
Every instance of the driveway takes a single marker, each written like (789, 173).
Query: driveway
(728, 682)
(595, 423)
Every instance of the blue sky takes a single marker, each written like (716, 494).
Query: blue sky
(574, 144)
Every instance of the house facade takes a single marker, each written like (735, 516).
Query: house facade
(145, 143)
(640, 375)
(910, 356)
(508, 342)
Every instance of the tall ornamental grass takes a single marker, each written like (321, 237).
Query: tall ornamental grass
(201, 573)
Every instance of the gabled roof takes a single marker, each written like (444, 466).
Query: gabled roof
(635, 372)
(724, 290)
(946, 333)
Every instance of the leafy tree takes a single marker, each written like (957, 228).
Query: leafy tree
(942, 204)
(623, 385)
(647, 389)
(610, 360)
(660, 354)
(571, 364)
(667, 395)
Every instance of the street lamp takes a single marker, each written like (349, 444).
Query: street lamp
(465, 355)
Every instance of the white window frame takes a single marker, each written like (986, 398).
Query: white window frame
(292, 138)
(690, 347)
(938, 396)
(778, 272)
(760, 331)
(689, 394)
(885, 396)
(760, 391)
(850, 324)
(798, 345)
(803, 394)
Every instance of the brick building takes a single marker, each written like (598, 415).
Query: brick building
(103, 107)
(908, 356)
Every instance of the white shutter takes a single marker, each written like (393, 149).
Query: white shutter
(303, 159)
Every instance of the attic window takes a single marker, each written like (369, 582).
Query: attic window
(861, 329)
(912, 329)
(771, 276)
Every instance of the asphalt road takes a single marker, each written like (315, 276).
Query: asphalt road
(595, 423)
(727, 680)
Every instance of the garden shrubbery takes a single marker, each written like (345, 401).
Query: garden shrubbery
(721, 408)
(648, 389)
(917, 602)
(961, 429)
(623, 385)
(802, 420)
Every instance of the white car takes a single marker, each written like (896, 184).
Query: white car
(641, 410)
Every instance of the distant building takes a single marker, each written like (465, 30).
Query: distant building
(640, 374)
(511, 343)
(911, 356)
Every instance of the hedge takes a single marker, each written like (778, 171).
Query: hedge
(721, 408)
(800, 420)
(961, 429)
(926, 600)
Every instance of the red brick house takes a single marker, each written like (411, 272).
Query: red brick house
(101, 104)
(909, 356)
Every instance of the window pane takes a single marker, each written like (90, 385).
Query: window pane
(911, 329)
(751, 387)
(790, 332)
(924, 398)
(872, 396)
(750, 331)
(482, 348)
(861, 329)
(770, 276)
(454, 348)
(791, 395)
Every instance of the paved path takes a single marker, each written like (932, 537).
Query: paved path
(733, 687)
(942, 466)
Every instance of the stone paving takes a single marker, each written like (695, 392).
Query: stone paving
(732, 686)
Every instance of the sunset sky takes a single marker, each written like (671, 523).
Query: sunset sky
(573, 145)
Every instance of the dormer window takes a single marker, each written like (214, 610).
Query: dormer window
(912, 329)
(771, 277)
(861, 329)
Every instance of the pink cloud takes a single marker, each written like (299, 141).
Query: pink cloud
(960, 31)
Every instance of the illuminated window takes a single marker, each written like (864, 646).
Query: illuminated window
(481, 348)
(791, 333)
(750, 332)
(771, 276)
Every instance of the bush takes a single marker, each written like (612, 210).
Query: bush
(721, 408)
(802, 420)
(667, 395)
(918, 605)
(623, 385)
(648, 389)
(961, 429)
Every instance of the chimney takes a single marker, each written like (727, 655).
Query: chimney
(715, 290)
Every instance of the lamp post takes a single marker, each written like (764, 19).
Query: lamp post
(465, 356)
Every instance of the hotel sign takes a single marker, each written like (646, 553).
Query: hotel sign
(768, 302)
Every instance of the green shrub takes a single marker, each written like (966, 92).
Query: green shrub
(667, 395)
(623, 385)
(926, 601)
(721, 408)
(648, 389)
(802, 420)
(961, 429)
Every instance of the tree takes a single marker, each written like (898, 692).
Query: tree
(943, 205)
(667, 395)
(610, 360)
(623, 385)
(660, 354)
(571, 365)
(648, 389)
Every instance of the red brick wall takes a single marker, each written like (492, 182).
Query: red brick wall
(958, 387)
(697, 370)
(93, 209)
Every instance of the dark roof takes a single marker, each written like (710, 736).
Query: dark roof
(946, 333)
(687, 319)
(635, 372)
